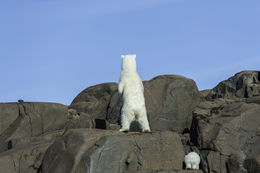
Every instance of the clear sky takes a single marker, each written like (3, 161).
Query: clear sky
(50, 50)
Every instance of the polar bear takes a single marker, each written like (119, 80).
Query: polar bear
(131, 90)
(192, 160)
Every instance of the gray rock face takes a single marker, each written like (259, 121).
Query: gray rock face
(30, 119)
(189, 171)
(235, 163)
(170, 100)
(79, 120)
(253, 164)
(8, 114)
(225, 126)
(27, 159)
(26, 154)
(181, 171)
(222, 125)
(94, 100)
(252, 161)
(113, 151)
(243, 85)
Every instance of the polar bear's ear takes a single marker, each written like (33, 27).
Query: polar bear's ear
(122, 56)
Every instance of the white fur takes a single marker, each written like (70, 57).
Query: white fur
(192, 160)
(131, 90)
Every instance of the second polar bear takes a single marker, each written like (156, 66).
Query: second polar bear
(131, 90)
(192, 160)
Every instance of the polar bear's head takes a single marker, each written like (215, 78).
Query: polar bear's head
(128, 62)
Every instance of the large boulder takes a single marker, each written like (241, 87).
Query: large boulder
(26, 154)
(94, 150)
(224, 130)
(94, 100)
(215, 162)
(170, 100)
(221, 125)
(9, 112)
(252, 161)
(25, 119)
(253, 164)
(79, 120)
(225, 125)
(244, 84)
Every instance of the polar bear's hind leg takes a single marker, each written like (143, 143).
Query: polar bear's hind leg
(188, 166)
(127, 116)
(144, 121)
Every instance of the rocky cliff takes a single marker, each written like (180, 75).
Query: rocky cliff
(222, 125)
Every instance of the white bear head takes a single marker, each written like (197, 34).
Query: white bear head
(128, 63)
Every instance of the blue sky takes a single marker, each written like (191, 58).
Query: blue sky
(50, 50)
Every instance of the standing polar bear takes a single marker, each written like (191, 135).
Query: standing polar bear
(131, 90)
(192, 160)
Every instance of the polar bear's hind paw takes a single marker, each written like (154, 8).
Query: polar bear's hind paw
(146, 130)
(124, 130)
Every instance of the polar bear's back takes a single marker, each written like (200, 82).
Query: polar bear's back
(133, 89)
(192, 157)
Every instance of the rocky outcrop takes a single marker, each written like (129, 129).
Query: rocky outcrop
(94, 100)
(181, 171)
(79, 120)
(224, 129)
(170, 100)
(27, 153)
(226, 125)
(25, 119)
(244, 84)
(220, 124)
(252, 165)
(113, 151)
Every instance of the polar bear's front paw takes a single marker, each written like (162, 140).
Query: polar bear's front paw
(124, 130)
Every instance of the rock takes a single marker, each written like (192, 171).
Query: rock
(25, 119)
(190, 171)
(181, 171)
(170, 100)
(9, 112)
(225, 126)
(79, 120)
(239, 130)
(205, 93)
(255, 99)
(221, 125)
(165, 97)
(244, 84)
(216, 162)
(86, 150)
(26, 154)
(45, 138)
(114, 109)
(235, 163)
(103, 124)
(253, 164)
(27, 159)
(252, 161)
(94, 100)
